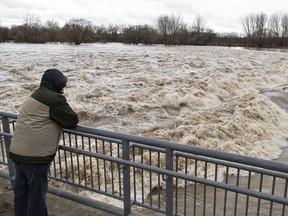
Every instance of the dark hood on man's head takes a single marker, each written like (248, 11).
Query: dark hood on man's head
(54, 80)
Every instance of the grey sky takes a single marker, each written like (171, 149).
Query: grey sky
(220, 15)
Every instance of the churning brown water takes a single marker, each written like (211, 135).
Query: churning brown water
(227, 99)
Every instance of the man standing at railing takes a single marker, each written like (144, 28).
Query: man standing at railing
(35, 142)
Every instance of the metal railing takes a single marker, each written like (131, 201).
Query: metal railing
(139, 175)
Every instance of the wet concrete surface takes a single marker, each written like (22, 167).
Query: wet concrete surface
(57, 206)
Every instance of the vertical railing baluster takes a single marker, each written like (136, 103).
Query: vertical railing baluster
(55, 169)
(104, 166)
(260, 190)
(247, 199)
(215, 190)
(60, 164)
(119, 170)
(150, 178)
(111, 167)
(126, 179)
(84, 161)
(3, 150)
(134, 174)
(236, 195)
(205, 190)
(91, 164)
(176, 186)
(11, 169)
(142, 176)
(65, 158)
(285, 196)
(195, 187)
(226, 192)
(169, 182)
(98, 167)
(272, 192)
(71, 157)
(158, 189)
(185, 188)
(77, 156)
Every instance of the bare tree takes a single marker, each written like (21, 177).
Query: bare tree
(163, 24)
(274, 25)
(32, 28)
(170, 27)
(149, 35)
(255, 27)
(32, 21)
(261, 25)
(284, 26)
(101, 34)
(197, 35)
(78, 29)
(140, 34)
(52, 31)
(132, 34)
(247, 22)
(113, 32)
(4, 32)
(51, 24)
(199, 24)
(176, 24)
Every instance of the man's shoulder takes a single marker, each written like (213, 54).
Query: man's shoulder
(48, 97)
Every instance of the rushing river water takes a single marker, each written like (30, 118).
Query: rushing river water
(211, 97)
(228, 99)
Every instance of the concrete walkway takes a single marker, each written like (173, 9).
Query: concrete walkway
(57, 206)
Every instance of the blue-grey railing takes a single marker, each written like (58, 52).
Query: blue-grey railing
(140, 175)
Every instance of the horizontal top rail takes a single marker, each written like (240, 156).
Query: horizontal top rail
(8, 114)
(6, 134)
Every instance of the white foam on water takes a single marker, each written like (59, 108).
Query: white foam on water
(210, 97)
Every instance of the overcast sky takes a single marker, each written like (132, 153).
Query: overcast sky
(220, 15)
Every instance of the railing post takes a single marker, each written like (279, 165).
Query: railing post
(169, 182)
(7, 140)
(126, 179)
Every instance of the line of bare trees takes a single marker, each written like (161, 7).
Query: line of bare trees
(262, 31)
(259, 29)
(169, 30)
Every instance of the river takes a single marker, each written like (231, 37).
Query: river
(227, 99)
